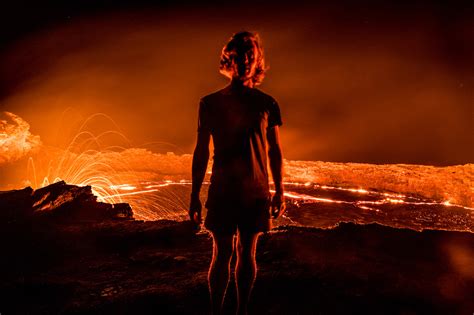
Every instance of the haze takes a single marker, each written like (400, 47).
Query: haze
(371, 86)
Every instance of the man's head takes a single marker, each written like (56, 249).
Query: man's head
(242, 58)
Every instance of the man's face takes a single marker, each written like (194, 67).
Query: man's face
(245, 63)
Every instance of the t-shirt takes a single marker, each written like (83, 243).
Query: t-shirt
(238, 119)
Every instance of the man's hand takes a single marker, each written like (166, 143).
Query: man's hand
(278, 205)
(195, 210)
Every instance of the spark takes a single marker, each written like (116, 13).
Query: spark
(113, 176)
(108, 173)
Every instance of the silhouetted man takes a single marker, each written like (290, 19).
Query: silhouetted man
(241, 120)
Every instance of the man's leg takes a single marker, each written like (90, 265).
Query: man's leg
(219, 270)
(246, 268)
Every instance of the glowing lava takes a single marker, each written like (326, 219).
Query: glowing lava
(157, 186)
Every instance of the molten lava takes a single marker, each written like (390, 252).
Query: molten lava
(157, 186)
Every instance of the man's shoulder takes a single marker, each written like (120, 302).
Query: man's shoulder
(267, 98)
(209, 98)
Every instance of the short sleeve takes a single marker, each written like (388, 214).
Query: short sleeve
(274, 116)
(203, 118)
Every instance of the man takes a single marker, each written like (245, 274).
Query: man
(242, 120)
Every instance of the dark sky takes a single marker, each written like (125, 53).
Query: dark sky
(356, 82)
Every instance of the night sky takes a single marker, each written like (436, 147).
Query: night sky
(356, 82)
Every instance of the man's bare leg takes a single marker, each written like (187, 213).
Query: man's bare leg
(219, 271)
(246, 269)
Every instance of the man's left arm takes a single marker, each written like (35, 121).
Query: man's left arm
(275, 156)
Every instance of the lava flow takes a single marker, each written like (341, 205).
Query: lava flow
(157, 186)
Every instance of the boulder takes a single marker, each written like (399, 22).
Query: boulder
(59, 201)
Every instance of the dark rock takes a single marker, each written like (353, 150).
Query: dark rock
(122, 210)
(160, 267)
(59, 201)
(16, 204)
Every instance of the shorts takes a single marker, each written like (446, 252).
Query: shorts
(228, 217)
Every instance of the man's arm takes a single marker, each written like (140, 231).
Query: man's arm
(276, 165)
(199, 167)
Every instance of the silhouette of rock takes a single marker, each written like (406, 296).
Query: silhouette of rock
(16, 203)
(59, 201)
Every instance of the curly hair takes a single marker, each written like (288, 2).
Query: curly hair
(241, 43)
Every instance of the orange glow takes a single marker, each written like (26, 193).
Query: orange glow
(332, 100)
(145, 180)
(129, 194)
(16, 140)
(362, 204)
(123, 187)
(87, 160)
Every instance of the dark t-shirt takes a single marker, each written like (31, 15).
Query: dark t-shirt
(238, 119)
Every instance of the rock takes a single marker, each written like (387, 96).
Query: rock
(16, 204)
(59, 201)
(122, 210)
(128, 266)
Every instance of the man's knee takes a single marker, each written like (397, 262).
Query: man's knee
(223, 247)
(246, 245)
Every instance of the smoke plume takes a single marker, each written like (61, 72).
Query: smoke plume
(16, 139)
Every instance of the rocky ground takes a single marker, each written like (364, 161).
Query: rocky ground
(62, 252)
(133, 267)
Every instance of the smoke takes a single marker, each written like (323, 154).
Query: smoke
(16, 140)
(351, 88)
